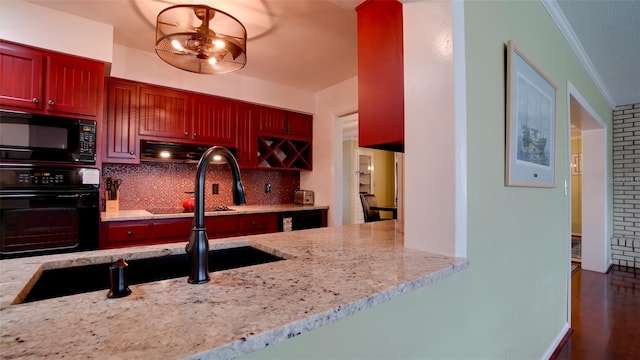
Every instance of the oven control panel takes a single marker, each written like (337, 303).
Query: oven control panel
(44, 178)
(41, 178)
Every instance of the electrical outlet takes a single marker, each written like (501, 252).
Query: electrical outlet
(267, 188)
(215, 189)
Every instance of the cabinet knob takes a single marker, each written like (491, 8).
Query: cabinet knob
(131, 153)
(51, 102)
(129, 233)
(195, 134)
(35, 100)
(186, 133)
(254, 223)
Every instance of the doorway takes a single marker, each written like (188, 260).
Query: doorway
(378, 172)
(592, 131)
(363, 184)
(576, 197)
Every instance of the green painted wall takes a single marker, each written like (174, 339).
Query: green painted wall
(511, 302)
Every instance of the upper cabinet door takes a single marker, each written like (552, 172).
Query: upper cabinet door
(74, 85)
(164, 113)
(214, 120)
(380, 75)
(21, 74)
(300, 125)
(288, 124)
(122, 122)
(47, 82)
(273, 121)
(247, 139)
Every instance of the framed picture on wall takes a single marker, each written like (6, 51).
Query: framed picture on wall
(530, 123)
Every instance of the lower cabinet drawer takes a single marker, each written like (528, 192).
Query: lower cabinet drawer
(171, 230)
(128, 233)
(221, 226)
(258, 224)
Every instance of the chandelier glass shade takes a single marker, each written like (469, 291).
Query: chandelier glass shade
(201, 39)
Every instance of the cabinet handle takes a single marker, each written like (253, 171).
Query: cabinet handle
(186, 133)
(35, 100)
(131, 153)
(254, 223)
(129, 233)
(195, 134)
(51, 102)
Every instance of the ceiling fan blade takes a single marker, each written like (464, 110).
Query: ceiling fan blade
(176, 26)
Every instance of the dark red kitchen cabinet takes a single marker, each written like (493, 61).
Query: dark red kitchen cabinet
(171, 230)
(251, 224)
(164, 113)
(380, 75)
(46, 82)
(222, 226)
(74, 85)
(284, 139)
(283, 123)
(273, 121)
(299, 125)
(22, 74)
(214, 121)
(247, 139)
(124, 233)
(121, 127)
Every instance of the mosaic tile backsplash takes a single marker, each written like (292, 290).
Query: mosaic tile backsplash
(152, 185)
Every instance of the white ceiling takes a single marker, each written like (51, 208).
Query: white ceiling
(609, 33)
(311, 44)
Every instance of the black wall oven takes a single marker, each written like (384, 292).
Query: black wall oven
(49, 197)
(48, 210)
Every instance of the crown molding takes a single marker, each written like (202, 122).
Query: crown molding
(565, 28)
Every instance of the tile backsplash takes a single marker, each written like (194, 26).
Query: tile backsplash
(163, 185)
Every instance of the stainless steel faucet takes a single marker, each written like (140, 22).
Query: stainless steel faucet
(198, 246)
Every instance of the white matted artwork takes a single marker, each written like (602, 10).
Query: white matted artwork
(530, 124)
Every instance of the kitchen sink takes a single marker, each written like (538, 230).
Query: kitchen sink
(80, 279)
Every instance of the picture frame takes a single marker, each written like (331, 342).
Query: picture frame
(530, 149)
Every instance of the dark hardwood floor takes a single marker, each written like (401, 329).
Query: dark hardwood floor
(605, 316)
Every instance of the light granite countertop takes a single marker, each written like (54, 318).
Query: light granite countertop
(329, 273)
(127, 215)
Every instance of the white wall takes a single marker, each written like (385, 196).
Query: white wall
(37, 26)
(326, 179)
(147, 67)
(430, 142)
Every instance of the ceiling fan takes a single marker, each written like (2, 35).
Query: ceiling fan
(201, 39)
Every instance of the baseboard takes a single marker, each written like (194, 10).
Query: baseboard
(556, 345)
(609, 268)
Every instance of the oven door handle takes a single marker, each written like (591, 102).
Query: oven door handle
(63, 196)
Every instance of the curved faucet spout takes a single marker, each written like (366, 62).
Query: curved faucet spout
(198, 246)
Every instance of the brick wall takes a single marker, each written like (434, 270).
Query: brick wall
(625, 243)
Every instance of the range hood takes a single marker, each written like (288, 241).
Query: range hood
(174, 152)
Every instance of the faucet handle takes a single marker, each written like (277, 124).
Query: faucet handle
(119, 286)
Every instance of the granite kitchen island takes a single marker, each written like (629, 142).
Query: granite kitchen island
(328, 274)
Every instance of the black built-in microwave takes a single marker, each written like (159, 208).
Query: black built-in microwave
(37, 138)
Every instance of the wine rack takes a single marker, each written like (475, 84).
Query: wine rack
(283, 153)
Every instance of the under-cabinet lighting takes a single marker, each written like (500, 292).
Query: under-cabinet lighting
(165, 154)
